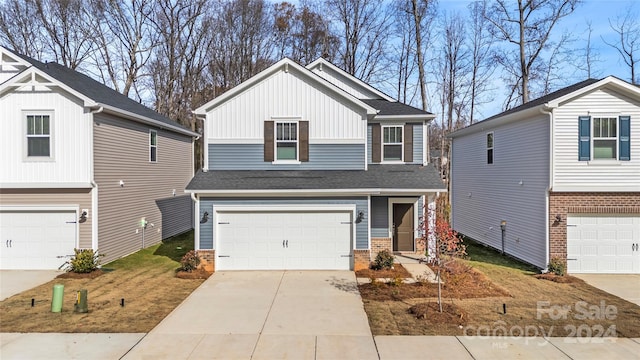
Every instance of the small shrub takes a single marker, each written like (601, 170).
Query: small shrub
(84, 261)
(397, 281)
(384, 260)
(190, 261)
(557, 266)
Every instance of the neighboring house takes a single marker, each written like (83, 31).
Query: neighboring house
(563, 171)
(310, 168)
(81, 165)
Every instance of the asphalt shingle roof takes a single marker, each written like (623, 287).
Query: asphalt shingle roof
(393, 108)
(376, 177)
(97, 91)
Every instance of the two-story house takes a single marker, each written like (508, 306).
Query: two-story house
(310, 168)
(83, 166)
(561, 174)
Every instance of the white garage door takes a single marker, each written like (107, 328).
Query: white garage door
(34, 240)
(283, 240)
(606, 244)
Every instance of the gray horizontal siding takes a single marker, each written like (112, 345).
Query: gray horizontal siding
(380, 216)
(418, 139)
(251, 157)
(177, 215)
(208, 205)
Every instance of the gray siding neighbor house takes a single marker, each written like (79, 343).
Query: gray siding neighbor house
(563, 171)
(310, 168)
(81, 167)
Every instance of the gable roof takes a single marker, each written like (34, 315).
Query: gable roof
(101, 95)
(320, 63)
(285, 65)
(388, 109)
(378, 178)
(549, 102)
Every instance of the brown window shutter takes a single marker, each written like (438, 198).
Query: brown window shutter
(376, 143)
(268, 141)
(303, 142)
(408, 143)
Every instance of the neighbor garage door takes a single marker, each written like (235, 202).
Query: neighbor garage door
(271, 240)
(606, 244)
(34, 240)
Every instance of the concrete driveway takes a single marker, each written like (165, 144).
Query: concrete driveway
(625, 286)
(13, 282)
(265, 315)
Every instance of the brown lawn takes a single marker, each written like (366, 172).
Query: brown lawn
(145, 280)
(474, 303)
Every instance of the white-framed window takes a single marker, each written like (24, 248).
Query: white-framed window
(605, 138)
(392, 145)
(153, 146)
(490, 148)
(286, 144)
(38, 134)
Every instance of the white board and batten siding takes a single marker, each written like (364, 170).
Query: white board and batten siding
(513, 188)
(70, 160)
(286, 95)
(569, 174)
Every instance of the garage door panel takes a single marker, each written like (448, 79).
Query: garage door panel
(312, 240)
(37, 238)
(603, 243)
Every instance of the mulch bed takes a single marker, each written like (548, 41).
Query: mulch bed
(72, 275)
(566, 279)
(430, 312)
(398, 271)
(195, 274)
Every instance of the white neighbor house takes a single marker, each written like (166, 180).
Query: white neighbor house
(563, 171)
(81, 165)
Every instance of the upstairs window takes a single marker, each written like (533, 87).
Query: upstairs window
(392, 143)
(286, 141)
(153, 146)
(604, 138)
(38, 135)
(490, 148)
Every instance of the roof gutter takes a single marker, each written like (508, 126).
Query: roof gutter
(311, 192)
(143, 119)
(492, 123)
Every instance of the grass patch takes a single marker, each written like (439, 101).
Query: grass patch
(388, 308)
(145, 280)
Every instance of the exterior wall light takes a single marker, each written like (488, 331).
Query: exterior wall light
(205, 218)
(359, 217)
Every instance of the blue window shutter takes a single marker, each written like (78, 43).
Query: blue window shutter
(624, 140)
(584, 138)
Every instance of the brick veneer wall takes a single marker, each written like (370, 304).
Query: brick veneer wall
(207, 259)
(379, 244)
(361, 259)
(564, 203)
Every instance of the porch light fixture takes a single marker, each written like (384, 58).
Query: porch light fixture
(359, 217)
(205, 218)
(558, 218)
(83, 217)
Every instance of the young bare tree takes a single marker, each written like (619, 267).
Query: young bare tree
(527, 28)
(124, 40)
(627, 28)
(423, 12)
(363, 27)
(590, 55)
(483, 67)
(20, 29)
(69, 26)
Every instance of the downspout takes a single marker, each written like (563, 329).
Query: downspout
(548, 189)
(196, 222)
(94, 184)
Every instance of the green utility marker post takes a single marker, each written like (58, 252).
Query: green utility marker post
(58, 295)
(81, 303)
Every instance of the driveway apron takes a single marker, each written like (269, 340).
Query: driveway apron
(265, 315)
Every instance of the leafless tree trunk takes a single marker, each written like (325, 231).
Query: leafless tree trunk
(627, 28)
(482, 66)
(20, 28)
(418, 15)
(528, 28)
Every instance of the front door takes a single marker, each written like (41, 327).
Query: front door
(403, 227)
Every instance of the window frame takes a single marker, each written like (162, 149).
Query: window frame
(153, 156)
(593, 139)
(276, 141)
(490, 149)
(383, 143)
(25, 134)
